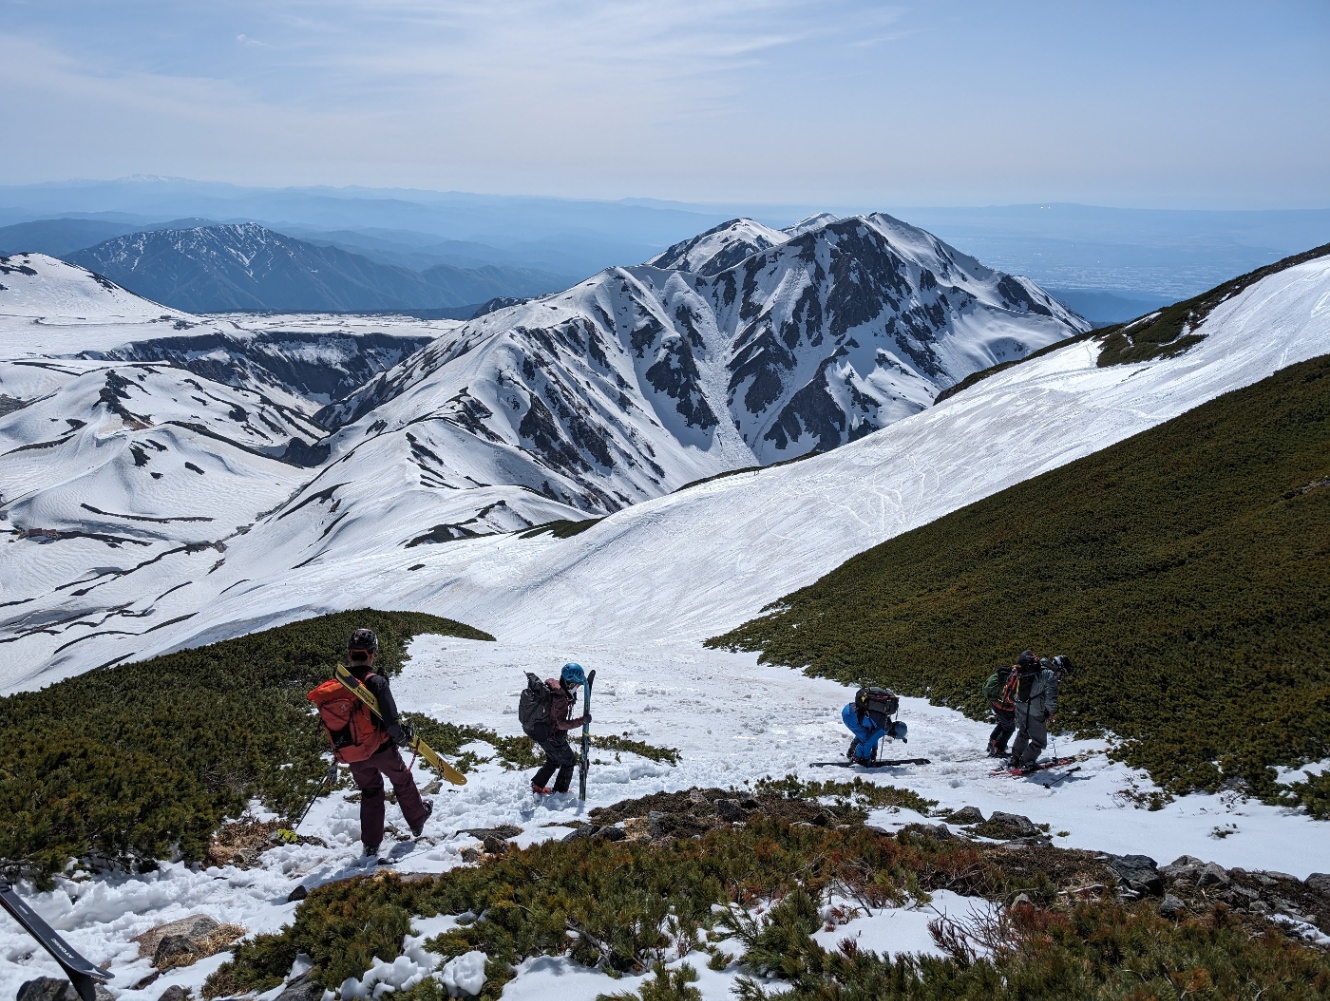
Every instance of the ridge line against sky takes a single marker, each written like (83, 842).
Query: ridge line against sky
(960, 102)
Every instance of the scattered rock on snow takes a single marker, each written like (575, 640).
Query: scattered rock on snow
(964, 816)
(495, 845)
(175, 993)
(53, 989)
(503, 831)
(1008, 825)
(299, 893)
(180, 943)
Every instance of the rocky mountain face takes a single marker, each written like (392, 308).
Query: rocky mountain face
(315, 366)
(642, 379)
(247, 267)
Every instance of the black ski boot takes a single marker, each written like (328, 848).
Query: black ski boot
(429, 808)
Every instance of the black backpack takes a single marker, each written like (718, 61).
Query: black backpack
(871, 699)
(533, 708)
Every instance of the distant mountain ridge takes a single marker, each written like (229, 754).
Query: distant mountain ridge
(246, 266)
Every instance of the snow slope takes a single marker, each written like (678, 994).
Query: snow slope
(699, 561)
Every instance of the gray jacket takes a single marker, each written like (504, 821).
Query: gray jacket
(1042, 697)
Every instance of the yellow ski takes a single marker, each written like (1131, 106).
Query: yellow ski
(353, 684)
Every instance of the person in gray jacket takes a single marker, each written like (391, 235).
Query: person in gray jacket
(1036, 699)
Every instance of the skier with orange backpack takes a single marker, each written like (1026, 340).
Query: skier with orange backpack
(368, 744)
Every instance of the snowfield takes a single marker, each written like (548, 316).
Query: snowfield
(634, 597)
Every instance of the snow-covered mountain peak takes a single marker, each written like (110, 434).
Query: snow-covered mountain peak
(719, 248)
(53, 292)
(811, 222)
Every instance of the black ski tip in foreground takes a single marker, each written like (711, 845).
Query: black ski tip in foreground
(870, 764)
(81, 973)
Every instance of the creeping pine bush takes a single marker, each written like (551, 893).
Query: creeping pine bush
(626, 907)
(618, 906)
(1186, 571)
(124, 764)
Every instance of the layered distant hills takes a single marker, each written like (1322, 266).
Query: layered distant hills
(245, 266)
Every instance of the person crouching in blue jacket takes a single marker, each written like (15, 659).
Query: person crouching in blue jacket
(869, 719)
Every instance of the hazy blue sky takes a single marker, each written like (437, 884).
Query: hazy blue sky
(1161, 103)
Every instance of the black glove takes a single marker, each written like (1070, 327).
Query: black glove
(408, 735)
(586, 718)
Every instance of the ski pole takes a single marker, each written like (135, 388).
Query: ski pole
(330, 780)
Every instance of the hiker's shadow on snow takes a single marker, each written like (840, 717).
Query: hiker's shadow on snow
(1059, 781)
(333, 872)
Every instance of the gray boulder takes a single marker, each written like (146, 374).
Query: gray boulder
(301, 989)
(1182, 867)
(1320, 882)
(1012, 825)
(1139, 873)
(1212, 874)
(729, 809)
(174, 993)
(965, 815)
(1172, 907)
(180, 943)
(52, 989)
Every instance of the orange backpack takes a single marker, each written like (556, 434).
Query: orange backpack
(350, 725)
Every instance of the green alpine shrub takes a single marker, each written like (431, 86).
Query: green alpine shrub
(129, 763)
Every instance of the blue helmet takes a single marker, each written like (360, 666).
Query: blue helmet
(898, 730)
(572, 674)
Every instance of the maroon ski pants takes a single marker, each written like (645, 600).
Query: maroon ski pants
(369, 779)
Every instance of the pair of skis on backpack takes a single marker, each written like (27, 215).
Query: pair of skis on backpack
(357, 688)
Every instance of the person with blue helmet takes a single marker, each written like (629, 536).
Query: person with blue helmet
(552, 733)
(869, 719)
